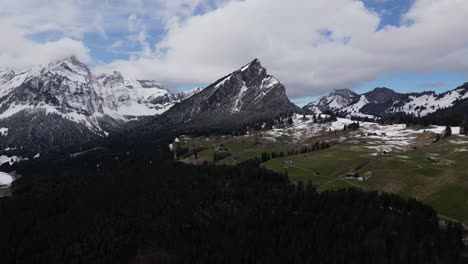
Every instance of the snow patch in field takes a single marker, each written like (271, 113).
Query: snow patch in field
(5, 179)
(3, 131)
(461, 150)
(11, 160)
(458, 142)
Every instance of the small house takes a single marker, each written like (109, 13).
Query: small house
(367, 175)
(288, 163)
(465, 241)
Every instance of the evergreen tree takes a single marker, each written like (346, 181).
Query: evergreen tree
(448, 131)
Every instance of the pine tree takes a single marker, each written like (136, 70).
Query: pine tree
(448, 131)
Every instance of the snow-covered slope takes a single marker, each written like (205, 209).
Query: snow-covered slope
(68, 88)
(336, 100)
(127, 97)
(424, 104)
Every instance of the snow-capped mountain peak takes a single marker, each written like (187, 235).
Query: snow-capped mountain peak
(337, 99)
(68, 88)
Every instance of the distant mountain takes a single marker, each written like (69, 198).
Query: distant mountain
(245, 97)
(384, 102)
(186, 94)
(50, 107)
(335, 101)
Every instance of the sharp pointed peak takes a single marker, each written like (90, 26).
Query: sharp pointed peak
(254, 63)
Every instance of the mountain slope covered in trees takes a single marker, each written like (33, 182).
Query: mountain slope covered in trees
(130, 209)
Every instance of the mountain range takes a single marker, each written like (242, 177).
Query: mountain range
(53, 107)
(384, 102)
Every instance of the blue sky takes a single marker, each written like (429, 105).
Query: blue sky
(313, 47)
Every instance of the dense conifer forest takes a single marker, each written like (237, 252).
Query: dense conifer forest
(132, 207)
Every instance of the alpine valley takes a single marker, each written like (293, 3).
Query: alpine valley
(108, 169)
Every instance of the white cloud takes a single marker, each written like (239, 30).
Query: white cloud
(312, 46)
(39, 31)
(117, 44)
(20, 21)
(289, 40)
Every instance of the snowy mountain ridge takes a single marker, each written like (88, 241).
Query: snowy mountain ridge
(68, 88)
(52, 107)
(384, 102)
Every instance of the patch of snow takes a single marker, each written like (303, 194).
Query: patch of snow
(3, 131)
(238, 102)
(11, 160)
(5, 179)
(13, 109)
(355, 108)
(221, 83)
(461, 150)
(245, 67)
(458, 142)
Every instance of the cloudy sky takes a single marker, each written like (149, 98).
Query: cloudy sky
(312, 46)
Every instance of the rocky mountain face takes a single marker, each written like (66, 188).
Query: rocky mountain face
(383, 102)
(246, 96)
(53, 106)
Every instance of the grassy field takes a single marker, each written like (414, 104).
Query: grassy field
(441, 182)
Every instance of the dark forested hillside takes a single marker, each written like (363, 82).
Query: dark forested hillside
(128, 208)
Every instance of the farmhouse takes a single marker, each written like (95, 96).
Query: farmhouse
(367, 175)
(288, 163)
